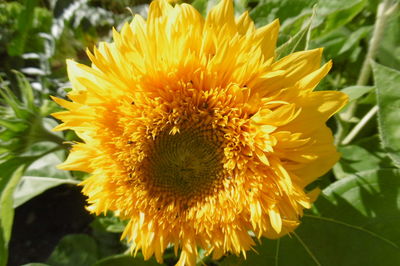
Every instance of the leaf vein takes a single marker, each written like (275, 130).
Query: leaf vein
(308, 250)
(354, 227)
(277, 252)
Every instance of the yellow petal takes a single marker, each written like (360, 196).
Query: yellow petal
(316, 108)
(310, 81)
(245, 24)
(298, 65)
(221, 15)
(268, 36)
(275, 219)
(78, 159)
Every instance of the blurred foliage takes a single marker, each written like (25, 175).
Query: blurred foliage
(354, 222)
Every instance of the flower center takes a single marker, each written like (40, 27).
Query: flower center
(186, 164)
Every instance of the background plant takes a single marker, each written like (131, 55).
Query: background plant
(354, 222)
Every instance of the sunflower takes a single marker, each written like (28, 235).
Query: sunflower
(195, 134)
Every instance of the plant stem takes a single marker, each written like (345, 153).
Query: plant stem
(374, 43)
(50, 151)
(360, 125)
(54, 138)
(365, 71)
(385, 10)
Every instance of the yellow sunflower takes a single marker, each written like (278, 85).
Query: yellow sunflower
(193, 132)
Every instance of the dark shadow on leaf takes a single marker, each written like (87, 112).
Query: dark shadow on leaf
(354, 222)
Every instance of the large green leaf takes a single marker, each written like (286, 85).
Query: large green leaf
(11, 172)
(354, 39)
(354, 222)
(298, 42)
(109, 223)
(389, 48)
(36, 264)
(41, 176)
(32, 186)
(6, 207)
(25, 22)
(125, 260)
(387, 83)
(365, 156)
(355, 92)
(287, 11)
(331, 15)
(337, 13)
(76, 250)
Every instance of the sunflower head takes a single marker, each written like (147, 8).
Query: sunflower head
(193, 132)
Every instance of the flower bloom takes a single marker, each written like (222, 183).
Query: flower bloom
(193, 132)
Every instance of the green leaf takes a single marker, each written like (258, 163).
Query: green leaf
(32, 186)
(204, 6)
(46, 166)
(331, 42)
(110, 223)
(7, 169)
(389, 48)
(337, 13)
(76, 250)
(288, 11)
(22, 124)
(7, 210)
(125, 260)
(26, 91)
(240, 6)
(42, 174)
(14, 125)
(298, 42)
(36, 264)
(10, 99)
(356, 158)
(354, 222)
(292, 44)
(388, 97)
(11, 172)
(354, 39)
(25, 22)
(355, 92)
